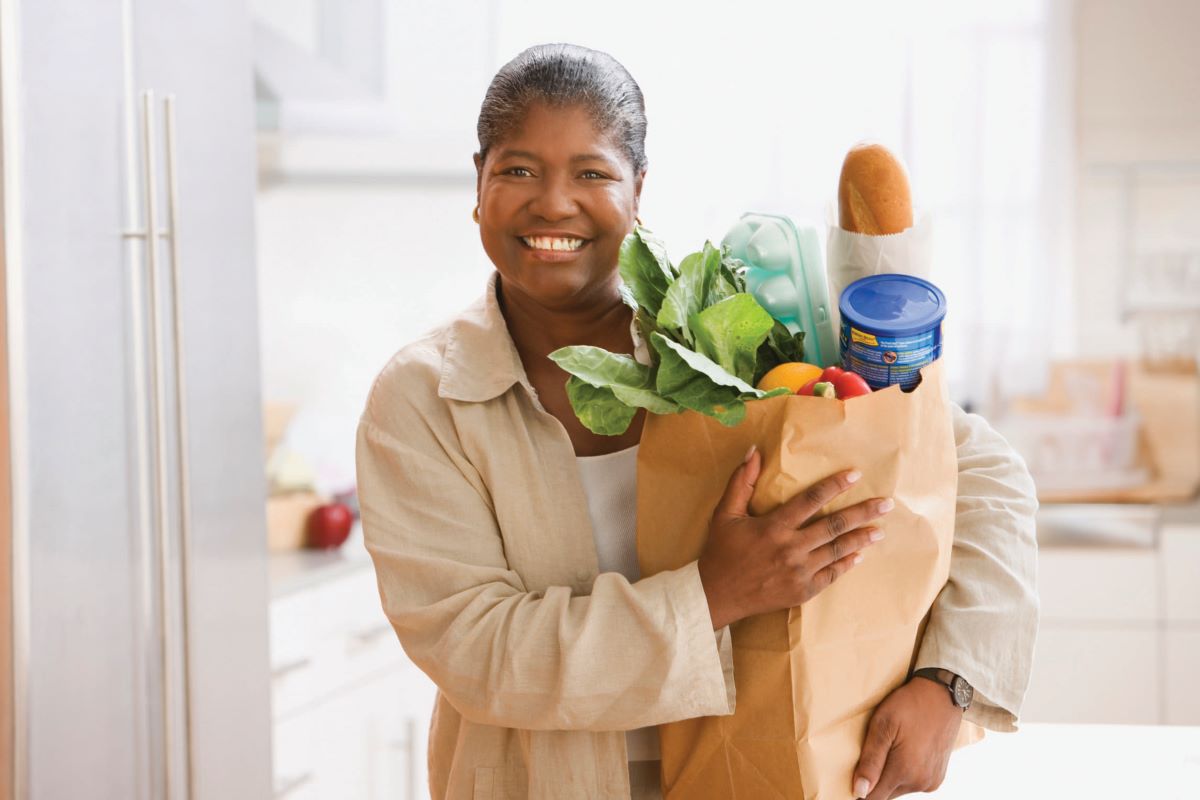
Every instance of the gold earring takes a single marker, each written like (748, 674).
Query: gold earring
(475, 214)
(638, 220)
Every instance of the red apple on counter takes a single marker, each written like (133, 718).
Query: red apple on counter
(329, 525)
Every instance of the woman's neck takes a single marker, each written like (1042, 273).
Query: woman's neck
(538, 331)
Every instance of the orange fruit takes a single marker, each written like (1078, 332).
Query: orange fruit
(792, 374)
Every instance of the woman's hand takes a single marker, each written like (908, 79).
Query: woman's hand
(909, 741)
(753, 565)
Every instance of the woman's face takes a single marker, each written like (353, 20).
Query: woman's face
(556, 199)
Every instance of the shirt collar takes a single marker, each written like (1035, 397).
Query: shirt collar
(481, 361)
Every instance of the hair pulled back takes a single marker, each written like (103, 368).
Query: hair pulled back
(561, 75)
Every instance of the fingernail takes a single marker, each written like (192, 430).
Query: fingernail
(857, 559)
(861, 787)
(876, 535)
(852, 477)
(749, 453)
(886, 505)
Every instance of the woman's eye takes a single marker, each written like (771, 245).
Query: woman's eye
(591, 172)
(515, 170)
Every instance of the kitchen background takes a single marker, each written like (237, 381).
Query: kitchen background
(1054, 145)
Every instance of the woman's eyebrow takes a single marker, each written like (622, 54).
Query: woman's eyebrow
(518, 154)
(533, 157)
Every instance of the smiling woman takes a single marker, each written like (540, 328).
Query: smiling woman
(503, 532)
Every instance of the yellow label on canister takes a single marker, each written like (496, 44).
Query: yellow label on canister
(863, 338)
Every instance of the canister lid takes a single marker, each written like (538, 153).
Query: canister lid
(892, 304)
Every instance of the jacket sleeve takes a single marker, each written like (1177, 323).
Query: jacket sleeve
(622, 657)
(984, 622)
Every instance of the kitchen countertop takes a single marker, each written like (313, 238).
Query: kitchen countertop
(1112, 524)
(1187, 513)
(294, 570)
(1098, 762)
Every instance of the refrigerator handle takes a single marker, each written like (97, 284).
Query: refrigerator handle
(181, 419)
(151, 236)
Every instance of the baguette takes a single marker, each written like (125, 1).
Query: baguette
(873, 192)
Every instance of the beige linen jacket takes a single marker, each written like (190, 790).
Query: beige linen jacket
(477, 523)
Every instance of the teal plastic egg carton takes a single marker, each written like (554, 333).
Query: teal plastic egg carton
(786, 274)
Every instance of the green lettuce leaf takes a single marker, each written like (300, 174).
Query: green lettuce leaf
(644, 268)
(694, 388)
(631, 382)
(730, 333)
(780, 346)
(598, 408)
(694, 381)
(687, 295)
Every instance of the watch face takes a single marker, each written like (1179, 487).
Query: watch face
(962, 692)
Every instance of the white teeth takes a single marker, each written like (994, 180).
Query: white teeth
(549, 243)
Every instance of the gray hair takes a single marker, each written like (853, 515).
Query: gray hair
(562, 75)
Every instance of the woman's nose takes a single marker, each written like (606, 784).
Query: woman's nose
(554, 201)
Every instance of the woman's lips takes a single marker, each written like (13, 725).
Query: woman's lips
(553, 256)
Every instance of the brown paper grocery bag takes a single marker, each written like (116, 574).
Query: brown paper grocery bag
(807, 679)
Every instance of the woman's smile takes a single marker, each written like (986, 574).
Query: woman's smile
(553, 249)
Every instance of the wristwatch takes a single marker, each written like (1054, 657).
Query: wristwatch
(961, 692)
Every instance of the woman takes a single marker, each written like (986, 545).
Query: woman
(502, 530)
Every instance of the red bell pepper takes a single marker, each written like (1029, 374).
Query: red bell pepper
(850, 384)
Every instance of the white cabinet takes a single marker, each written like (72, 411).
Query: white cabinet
(1181, 574)
(1094, 675)
(351, 711)
(1182, 672)
(1119, 637)
(1097, 656)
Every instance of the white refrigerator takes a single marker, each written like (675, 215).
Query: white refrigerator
(133, 580)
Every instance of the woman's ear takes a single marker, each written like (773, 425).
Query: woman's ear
(637, 191)
(478, 174)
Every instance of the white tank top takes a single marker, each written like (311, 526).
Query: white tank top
(610, 482)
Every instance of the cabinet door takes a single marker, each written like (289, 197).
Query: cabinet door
(1095, 674)
(78, 479)
(367, 741)
(1181, 565)
(199, 52)
(1182, 700)
(399, 735)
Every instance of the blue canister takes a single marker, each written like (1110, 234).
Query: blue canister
(891, 328)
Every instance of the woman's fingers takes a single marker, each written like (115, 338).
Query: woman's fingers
(827, 575)
(848, 544)
(827, 529)
(806, 504)
(736, 499)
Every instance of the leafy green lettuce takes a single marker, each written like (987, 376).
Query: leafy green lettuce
(710, 342)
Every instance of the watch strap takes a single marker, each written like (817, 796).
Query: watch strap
(952, 681)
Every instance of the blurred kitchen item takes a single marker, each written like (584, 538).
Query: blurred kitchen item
(276, 417)
(1069, 453)
(786, 274)
(289, 471)
(1105, 431)
(329, 526)
(287, 519)
(1124, 525)
(1162, 299)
